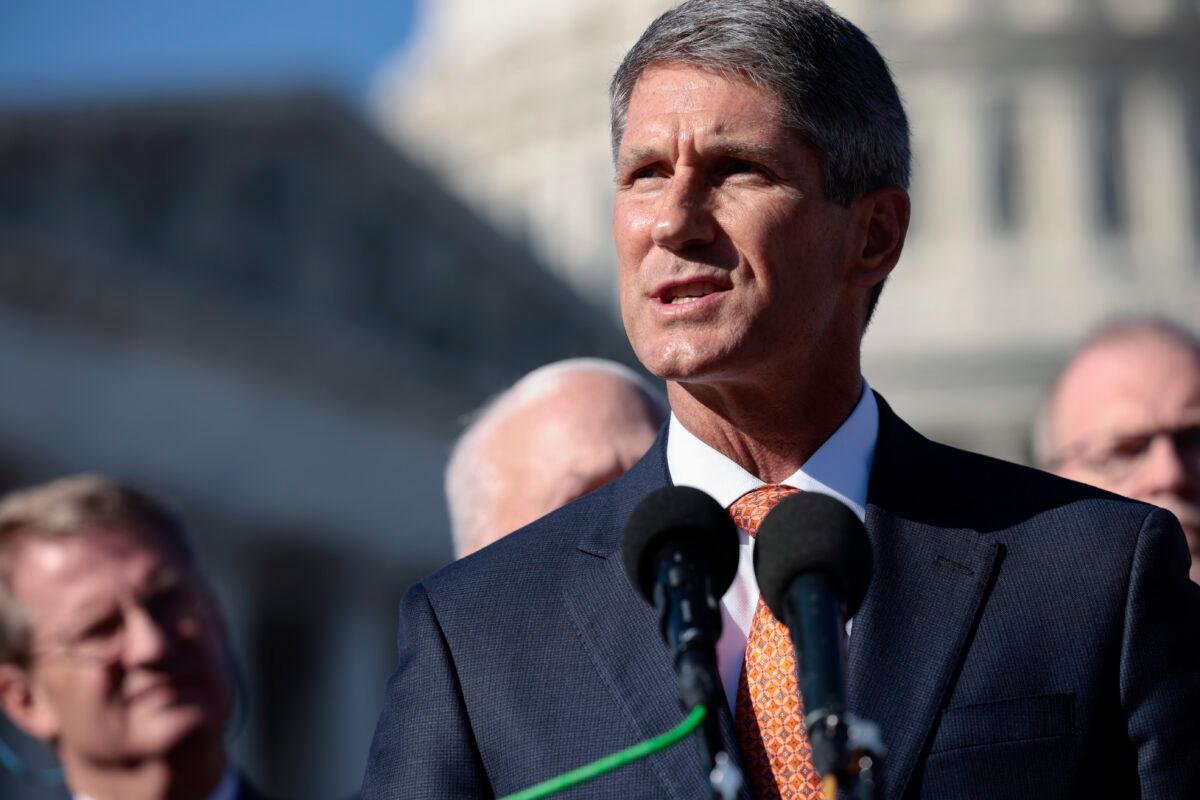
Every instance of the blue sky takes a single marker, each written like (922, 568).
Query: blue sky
(79, 49)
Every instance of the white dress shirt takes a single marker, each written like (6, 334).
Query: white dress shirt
(226, 789)
(841, 468)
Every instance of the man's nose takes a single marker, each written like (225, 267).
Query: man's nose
(1163, 470)
(684, 218)
(146, 642)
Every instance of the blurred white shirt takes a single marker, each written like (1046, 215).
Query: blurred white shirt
(841, 468)
(226, 789)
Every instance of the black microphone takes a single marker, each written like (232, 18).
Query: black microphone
(812, 559)
(681, 552)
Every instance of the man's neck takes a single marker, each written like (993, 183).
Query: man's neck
(771, 432)
(191, 773)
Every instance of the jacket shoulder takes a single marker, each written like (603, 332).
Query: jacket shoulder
(922, 480)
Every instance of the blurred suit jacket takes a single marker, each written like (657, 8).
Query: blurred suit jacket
(1022, 636)
(247, 790)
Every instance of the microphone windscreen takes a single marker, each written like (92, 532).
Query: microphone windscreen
(683, 515)
(810, 532)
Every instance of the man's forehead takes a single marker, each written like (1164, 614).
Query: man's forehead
(667, 94)
(1127, 385)
(76, 568)
(681, 84)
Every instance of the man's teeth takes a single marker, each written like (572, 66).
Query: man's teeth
(687, 294)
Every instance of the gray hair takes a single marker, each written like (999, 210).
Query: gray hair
(471, 482)
(834, 86)
(1113, 332)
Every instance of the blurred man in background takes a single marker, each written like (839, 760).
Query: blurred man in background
(112, 649)
(1124, 415)
(556, 434)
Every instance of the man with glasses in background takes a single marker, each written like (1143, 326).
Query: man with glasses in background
(112, 649)
(1124, 415)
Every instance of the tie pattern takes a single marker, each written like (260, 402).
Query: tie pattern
(768, 717)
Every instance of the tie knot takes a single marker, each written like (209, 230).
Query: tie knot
(749, 509)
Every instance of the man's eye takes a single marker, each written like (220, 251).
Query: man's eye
(645, 173)
(1187, 441)
(99, 630)
(169, 604)
(162, 603)
(736, 166)
(1128, 448)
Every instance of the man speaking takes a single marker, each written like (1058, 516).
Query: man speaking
(1022, 635)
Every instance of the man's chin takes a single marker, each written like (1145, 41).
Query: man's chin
(682, 361)
(168, 720)
(163, 730)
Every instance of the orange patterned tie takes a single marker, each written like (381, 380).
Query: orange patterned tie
(768, 718)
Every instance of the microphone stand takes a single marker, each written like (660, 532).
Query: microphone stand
(856, 773)
(690, 622)
(847, 751)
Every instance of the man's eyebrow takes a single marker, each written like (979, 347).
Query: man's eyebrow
(729, 148)
(637, 155)
(164, 579)
(750, 151)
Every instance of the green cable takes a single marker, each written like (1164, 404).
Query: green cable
(609, 763)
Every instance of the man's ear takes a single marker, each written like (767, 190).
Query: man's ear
(23, 704)
(881, 219)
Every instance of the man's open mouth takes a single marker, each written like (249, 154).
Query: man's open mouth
(688, 292)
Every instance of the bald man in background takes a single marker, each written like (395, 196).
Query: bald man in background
(558, 433)
(1124, 415)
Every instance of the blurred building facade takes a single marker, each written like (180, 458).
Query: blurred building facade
(1056, 180)
(259, 310)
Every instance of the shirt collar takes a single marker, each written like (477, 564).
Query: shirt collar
(226, 789)
(841, 466)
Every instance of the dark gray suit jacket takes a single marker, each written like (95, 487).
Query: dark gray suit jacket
(1022, 636)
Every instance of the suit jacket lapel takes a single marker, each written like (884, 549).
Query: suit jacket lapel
(620, 632)
(929, 584)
